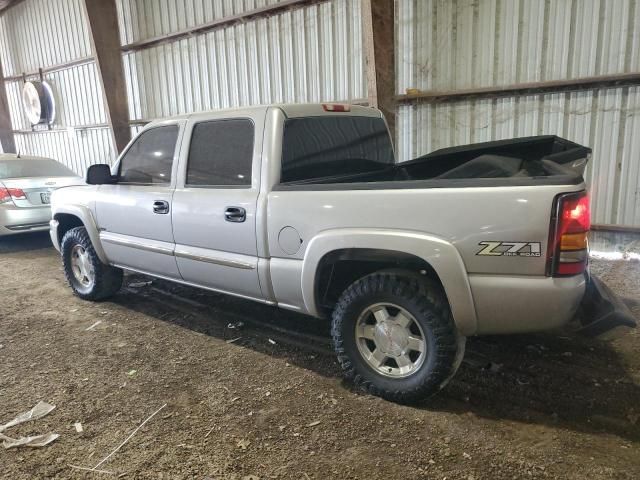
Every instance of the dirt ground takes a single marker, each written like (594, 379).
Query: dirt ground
(271, 404)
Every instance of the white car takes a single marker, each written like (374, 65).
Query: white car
(26, 183)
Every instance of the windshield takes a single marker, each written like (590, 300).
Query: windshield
(325, 147)
(28, 168)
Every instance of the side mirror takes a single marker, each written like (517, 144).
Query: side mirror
(100, 174)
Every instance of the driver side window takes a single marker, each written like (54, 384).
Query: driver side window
(150, 157)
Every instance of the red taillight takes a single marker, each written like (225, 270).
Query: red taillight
(576, 215)
(572, 223)
(8, 194)
(17, 193)
(336, 107)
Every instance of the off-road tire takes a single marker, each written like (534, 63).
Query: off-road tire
(426, 301)
(108, 280)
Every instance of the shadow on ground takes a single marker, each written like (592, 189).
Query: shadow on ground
(24, 242)
(548, 379)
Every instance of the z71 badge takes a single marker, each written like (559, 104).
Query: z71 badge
(510, 249)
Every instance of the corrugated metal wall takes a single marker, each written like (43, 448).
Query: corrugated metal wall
(307, 54)
(460, 44)
(315, 53)
(44, 33)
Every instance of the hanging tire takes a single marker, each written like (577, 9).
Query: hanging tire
(394, 336)
(89, 278)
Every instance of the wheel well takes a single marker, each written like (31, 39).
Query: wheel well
(66, 222)
(340, 268)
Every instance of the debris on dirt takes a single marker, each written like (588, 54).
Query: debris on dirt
(243, 444)
(93, 326)
(466, 455)
(78, 427)
(95, 469)
(534, 349)
(132, 372)
(86, 469)
(40, 410)
(493, 367)
(313, 424)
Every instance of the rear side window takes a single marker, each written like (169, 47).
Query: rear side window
(221, 153)
(150, 158)
(317, 148)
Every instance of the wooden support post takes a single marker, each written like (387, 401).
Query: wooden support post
(7, 139)
(105, 38)
(379, 41)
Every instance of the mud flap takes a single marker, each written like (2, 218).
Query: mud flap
(602, 313)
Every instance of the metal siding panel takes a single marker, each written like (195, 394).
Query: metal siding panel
(60, 36)
(628, 209)
(304, 55)
(77, 150)
(152, 18)
(445, 45)
(613, 40)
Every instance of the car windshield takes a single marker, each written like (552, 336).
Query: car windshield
(29, 168)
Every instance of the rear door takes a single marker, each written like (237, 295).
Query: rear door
(214, 206)
(134, 215)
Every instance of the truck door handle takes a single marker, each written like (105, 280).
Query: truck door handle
(235, 214)
(161, 207)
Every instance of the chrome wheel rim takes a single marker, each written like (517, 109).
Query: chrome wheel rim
(81, 266)
(390, 340)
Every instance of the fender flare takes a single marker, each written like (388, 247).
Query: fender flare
(86, 217)
(443, 257)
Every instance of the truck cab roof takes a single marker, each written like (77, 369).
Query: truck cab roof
(291, 110)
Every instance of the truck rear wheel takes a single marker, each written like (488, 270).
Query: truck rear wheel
(89, 278)
(394, 336)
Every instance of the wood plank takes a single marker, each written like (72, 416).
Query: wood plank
(7, 139)
(378, 22)
(553, 86)
(259, 12)
(105, 39)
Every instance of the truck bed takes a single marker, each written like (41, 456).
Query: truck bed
(529, 160)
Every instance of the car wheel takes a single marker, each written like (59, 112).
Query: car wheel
(394, 335)
(89, 278)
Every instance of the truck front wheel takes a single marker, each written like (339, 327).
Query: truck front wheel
(89, 278)
(394, 335)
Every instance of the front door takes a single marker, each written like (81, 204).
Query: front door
(134, 215)
(214, 211)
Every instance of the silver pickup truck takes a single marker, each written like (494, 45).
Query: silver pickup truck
(304, 207)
